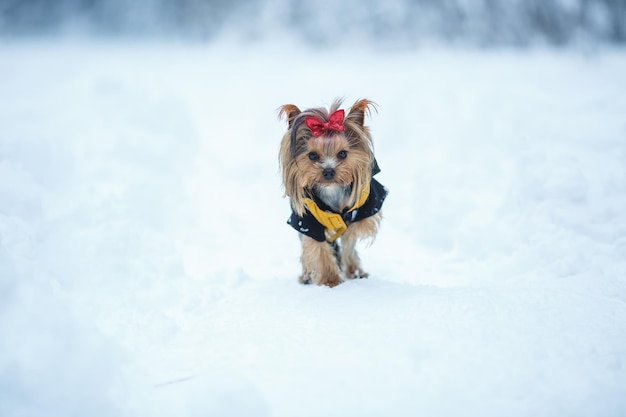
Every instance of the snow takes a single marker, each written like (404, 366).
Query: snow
(146, 267)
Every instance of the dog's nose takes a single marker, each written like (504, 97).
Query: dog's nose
(328, 173)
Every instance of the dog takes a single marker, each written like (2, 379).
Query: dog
(327, 164)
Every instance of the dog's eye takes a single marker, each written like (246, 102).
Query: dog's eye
(313, 156)
(342, 155)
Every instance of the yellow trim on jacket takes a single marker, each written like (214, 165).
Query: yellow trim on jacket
(334, 225)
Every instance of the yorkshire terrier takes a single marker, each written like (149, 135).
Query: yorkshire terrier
(327, 163)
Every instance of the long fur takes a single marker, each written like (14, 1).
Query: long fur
(303, 178)
(298, 142)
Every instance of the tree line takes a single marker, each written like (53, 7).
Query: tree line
(483, 22)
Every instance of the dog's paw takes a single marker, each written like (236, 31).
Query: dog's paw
(355, 272)
(330, 281)
(305, 279)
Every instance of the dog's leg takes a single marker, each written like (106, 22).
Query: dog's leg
(363, 229)
(319, 264)
(351, 264)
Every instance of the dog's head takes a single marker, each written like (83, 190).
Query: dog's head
(324, 148)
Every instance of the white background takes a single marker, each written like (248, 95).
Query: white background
(146, 268)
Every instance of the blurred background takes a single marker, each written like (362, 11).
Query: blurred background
(403, 23)
(146, 268)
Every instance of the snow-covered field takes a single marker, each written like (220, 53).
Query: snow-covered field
(146, 268)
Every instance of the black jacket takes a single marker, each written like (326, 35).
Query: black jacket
(311, 227)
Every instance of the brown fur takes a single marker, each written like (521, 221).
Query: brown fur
(365, 229)
(303, 177)
(319, 265)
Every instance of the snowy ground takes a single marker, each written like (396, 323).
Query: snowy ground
(146, 268)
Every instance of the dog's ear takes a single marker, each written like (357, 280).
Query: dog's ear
(359, 109)
(290, 112)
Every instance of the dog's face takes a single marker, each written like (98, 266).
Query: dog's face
(320, 155)
(330, 161)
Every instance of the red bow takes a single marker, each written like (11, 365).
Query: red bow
(334, 123)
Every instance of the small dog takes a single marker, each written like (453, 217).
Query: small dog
(327, 165)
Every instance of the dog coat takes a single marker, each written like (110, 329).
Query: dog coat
(321, 223)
